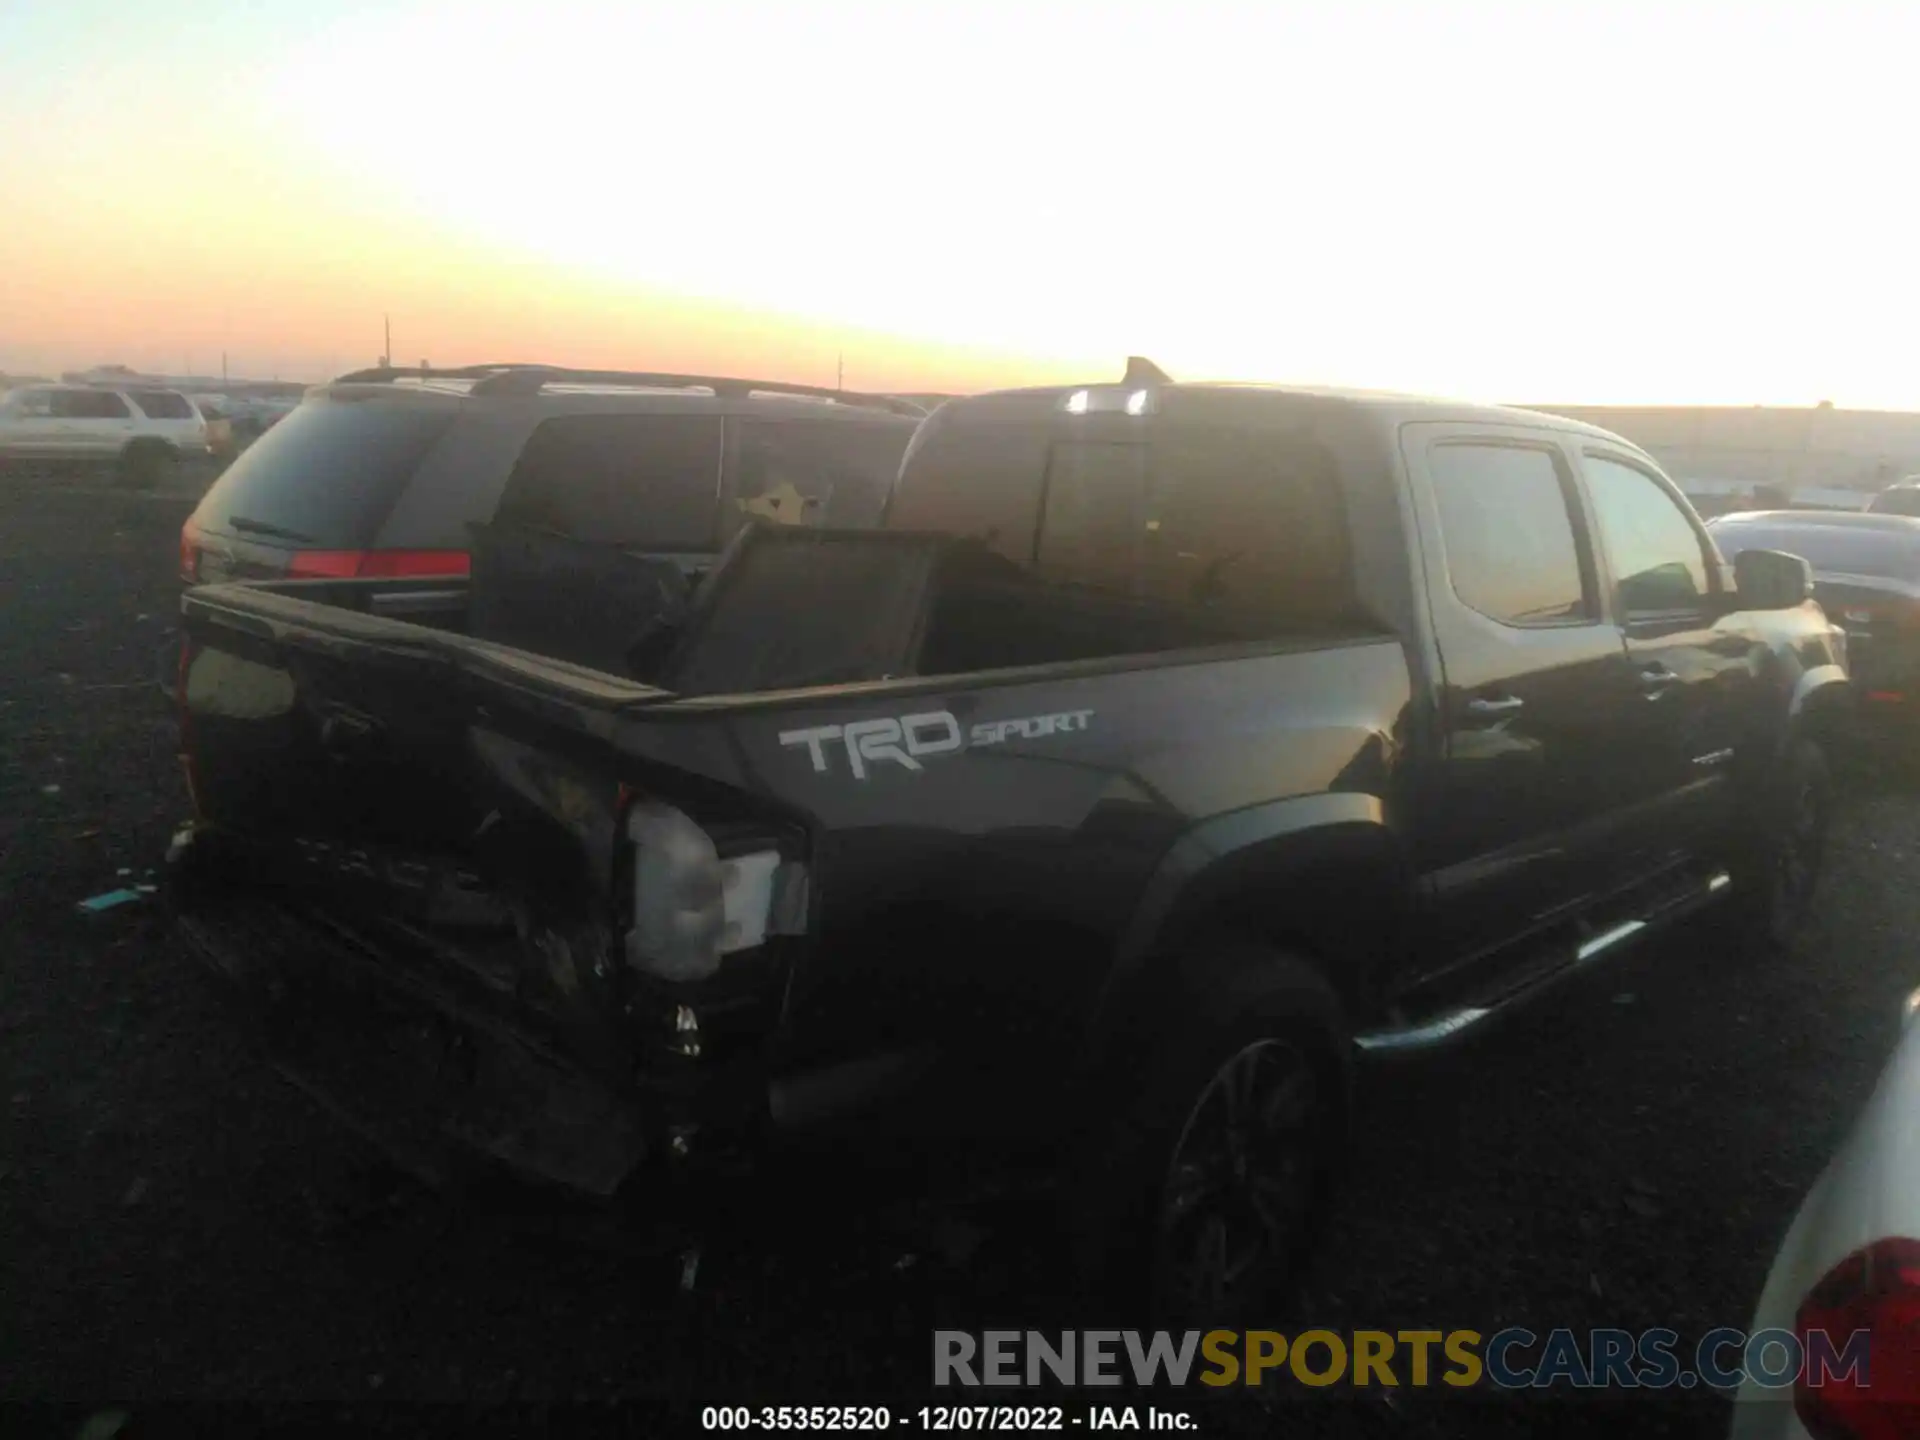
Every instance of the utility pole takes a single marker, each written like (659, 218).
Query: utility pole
(840, 372)
(386, 354)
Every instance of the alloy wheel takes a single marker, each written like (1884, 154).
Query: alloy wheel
(1241, 1181)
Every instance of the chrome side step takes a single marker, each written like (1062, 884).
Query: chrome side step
(1606, 940)
(1451, 1025)
(1427, 1035)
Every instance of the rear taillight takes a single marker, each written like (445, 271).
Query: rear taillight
(689, 906)
(395, 563)
(1849, 1390)
(369, 564)
(324, 564)
(190, 552)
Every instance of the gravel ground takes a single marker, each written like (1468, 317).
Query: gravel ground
(179, 1225)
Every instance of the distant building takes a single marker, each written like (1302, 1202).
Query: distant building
(189, 384)
(1800, 450)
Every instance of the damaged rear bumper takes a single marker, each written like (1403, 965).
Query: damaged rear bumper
(391, 1040)
(430, 1081)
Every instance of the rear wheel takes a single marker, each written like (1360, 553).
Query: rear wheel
(1208, 1189)
(1782, 871)
(1242, 1181)
(146, 464)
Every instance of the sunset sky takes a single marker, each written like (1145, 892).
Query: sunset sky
(1541, 201)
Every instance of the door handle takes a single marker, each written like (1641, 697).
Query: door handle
(1502, 706)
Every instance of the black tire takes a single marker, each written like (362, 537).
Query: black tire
(145, 464)
(1199, 1198)
(1780, 874)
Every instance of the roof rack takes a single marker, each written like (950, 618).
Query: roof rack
(526, 379)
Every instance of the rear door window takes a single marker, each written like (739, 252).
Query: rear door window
(162, 405)
(644, 480)
(327, 474)
(1506, 525)
(89, 405)
(831, 473)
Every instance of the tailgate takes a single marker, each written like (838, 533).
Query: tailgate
(308, 721)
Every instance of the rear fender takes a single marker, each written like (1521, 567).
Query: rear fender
(1321, 876)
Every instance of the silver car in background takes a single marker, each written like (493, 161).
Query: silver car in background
(139, 431)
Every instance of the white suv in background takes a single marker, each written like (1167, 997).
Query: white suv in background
(141, 431)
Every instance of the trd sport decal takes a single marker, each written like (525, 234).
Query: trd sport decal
(934, 732)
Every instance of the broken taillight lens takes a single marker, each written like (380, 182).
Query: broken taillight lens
(690, 906)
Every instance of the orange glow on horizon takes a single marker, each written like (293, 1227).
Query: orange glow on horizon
(1572, 201)
(278, 305)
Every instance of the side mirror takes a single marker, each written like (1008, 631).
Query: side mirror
(1771, 580)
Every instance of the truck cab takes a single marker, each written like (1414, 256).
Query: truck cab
(1593, 699)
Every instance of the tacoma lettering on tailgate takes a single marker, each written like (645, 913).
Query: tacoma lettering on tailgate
(933, 732)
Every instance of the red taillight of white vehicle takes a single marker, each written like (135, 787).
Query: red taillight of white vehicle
(190, 552)
(370, 564)
(184, 715)
(1875, 1291)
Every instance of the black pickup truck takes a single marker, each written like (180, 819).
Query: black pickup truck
(1168, 749)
